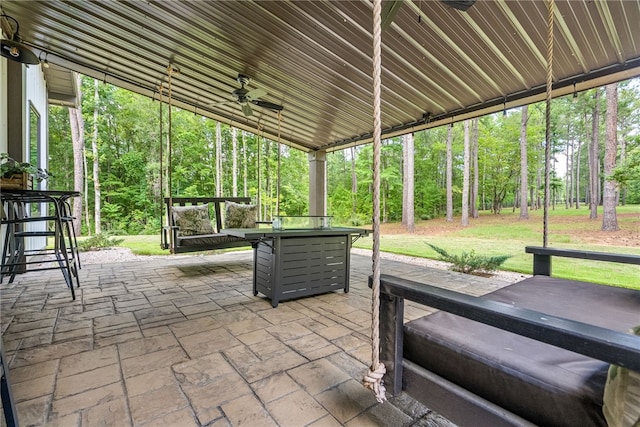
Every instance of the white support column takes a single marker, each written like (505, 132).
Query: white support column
(317, 183)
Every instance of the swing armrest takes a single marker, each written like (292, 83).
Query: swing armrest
(165, 242)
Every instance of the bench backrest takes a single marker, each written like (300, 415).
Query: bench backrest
(217, 202)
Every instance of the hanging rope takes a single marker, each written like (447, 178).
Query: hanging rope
(170, 71)
(161, 162)
(373, 379)
(547, 148)
(279, 155)
(258, 172)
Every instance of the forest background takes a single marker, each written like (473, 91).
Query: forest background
(497, 161)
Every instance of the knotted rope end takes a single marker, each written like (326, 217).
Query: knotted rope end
(373, 381)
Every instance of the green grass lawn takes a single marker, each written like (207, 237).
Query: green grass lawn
(504, 234)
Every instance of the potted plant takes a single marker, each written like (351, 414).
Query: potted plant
(14, 174)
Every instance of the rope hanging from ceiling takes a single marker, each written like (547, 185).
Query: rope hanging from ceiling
(279, 156)
(374, 377)
(547, 147)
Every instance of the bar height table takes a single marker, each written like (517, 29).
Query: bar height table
(58, 223)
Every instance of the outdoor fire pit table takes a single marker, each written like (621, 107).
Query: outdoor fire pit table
(292, 263)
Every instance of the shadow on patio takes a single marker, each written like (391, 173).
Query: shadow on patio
(183, 342)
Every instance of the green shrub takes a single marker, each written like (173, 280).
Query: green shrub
(471, 262)
(99, 241)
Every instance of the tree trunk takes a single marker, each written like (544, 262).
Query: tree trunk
(354, 184)
(85, 190)
(609, 218)
(524, 165)
(97, 219)
(621, 199)
(567, 180)
(465, 180)
(234, 160)
(577, 168)
(539, 177)
(594, 161)
(218, 160)
(450, 173)
(77, 136)
(408, 218)
(474, 161)
(245, 166)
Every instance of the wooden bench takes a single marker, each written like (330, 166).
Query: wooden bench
(532, 353)
(173, 240)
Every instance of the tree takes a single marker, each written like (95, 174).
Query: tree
(594, 158)
(474, 165)
(609, 218)
(218, 167)
(77, 134)
(450, 173)
(234, 167)
(96, 161)
(524, 165)
(466, 174)
(408, 218)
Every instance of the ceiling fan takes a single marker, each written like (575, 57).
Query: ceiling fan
(392, 7)
(246, 97)
(12, 47)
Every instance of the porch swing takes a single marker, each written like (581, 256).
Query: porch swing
(188, 226)
(537, 352)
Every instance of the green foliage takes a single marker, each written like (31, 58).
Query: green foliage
(129, 141)
(471, 262)
(99, 241)
(9, 166)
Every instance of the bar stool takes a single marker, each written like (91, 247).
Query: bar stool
(57, 223)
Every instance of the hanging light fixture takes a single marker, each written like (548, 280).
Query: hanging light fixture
(12, 47)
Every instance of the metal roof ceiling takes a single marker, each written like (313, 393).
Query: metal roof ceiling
(314, 57)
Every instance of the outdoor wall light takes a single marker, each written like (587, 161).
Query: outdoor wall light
(12, 47)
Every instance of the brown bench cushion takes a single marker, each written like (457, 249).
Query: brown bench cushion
(542, 383)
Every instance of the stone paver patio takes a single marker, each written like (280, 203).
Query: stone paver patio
(183, 342)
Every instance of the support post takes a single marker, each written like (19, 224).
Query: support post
(391, 341)
(317, 183)
(541, 265)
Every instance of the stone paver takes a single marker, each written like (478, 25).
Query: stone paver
(184, 342)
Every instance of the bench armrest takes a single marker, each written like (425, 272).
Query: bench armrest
(542, 257)
(165, 242)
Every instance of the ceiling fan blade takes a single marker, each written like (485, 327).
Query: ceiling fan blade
(16, 51)
(389, 11)
(462, 5)
(269, 105)
(255, 93)
(246, 109)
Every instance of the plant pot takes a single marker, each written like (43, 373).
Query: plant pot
(17, 181)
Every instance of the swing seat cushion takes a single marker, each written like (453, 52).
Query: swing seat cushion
(209, 242)
(192, 220)
(622, 395)
(240, 215)
(545, 384)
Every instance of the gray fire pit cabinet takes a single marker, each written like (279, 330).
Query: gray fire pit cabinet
(299, 262)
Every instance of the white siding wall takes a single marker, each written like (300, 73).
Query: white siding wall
(36, 97)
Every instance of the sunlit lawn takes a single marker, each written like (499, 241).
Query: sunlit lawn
(502, 234)
(505, 235)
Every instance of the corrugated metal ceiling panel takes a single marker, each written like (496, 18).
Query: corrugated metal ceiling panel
(313, 57)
